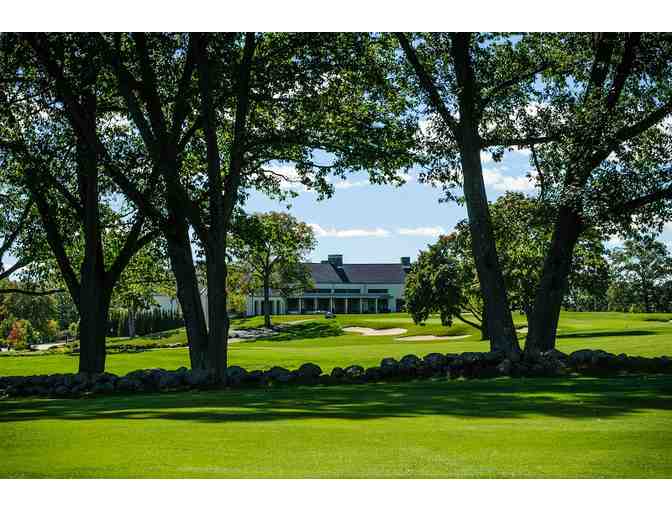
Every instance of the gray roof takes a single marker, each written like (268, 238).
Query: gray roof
(358, 273)
(323, 273)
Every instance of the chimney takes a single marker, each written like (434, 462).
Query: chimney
(406, 264)
(335, 260)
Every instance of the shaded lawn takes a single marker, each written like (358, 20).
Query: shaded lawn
(579, 427)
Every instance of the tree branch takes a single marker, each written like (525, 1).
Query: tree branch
(466, 321)
(426, 82)
(624, 68)
(526, 141)
(31, 292)
(148, 88)
(497, 90)
(181, 97)
(9, 240)
(641, 201)
(17, 265)
(239, 129)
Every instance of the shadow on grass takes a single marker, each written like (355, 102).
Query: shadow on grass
(600, 334)
(575, 398)
(302, 331)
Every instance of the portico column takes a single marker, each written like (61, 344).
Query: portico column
(376, 305)
(331, 303)
(346, 305)
(300, 305)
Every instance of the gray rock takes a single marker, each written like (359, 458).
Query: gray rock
(277, 373)
(103, 387)
(353, 372)
(169, 380)
(409, 362)
(197, 377)
(61, 391)
(254, 376)
(555, 354)
(81, 379)
(435, 361)
(389, 366)
(373, 374)
(581, 357)
(504, 367)
(470, 358)
(235, 374)
(493, 357)
(128, 383)
(309, 371)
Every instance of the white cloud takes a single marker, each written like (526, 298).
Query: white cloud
(496, 179)
(405, 176)
(289, 177)
(347, 184)
(352, 232)
(422, 231)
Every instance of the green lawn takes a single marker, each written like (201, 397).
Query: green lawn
(319, 341)
(499, 428)
(577, 427)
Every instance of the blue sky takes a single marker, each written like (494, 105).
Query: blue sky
(374, 223)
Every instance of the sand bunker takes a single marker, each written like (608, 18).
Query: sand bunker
(375, 332)
(420, 338)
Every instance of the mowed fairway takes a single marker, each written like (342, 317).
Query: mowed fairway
(578, 427)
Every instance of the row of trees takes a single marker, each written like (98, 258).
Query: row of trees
(124, 140)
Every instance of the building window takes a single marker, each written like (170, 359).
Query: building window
(377, 291)
(318, 291)
(347, 291)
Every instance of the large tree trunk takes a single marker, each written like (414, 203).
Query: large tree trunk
(93, 321)
(496, 305)
(543, 322)
(188, 294)
(485, 334)
(218, 317)
(95, 293)
(498, 323)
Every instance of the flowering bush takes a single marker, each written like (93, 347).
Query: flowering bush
(21, 335)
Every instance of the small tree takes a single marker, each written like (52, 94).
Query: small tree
(641, 269)
(272, 246)
(436, 284)
(523, 231)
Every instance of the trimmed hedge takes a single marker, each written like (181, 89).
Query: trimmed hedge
(146, 321)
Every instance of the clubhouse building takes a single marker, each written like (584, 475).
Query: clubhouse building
(342, 288)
